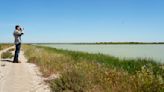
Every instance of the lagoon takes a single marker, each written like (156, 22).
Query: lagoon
(123, 51)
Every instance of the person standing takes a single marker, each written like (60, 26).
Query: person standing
(18, 32)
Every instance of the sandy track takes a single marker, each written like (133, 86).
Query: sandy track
(20, 77)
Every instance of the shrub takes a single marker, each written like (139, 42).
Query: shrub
(6, 55)
(13, 49)
(146, 81)
(70, 81)
(3, 46)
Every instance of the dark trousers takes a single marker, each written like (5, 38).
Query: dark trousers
(17, 50)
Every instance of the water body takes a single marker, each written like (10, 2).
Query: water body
(153, 51)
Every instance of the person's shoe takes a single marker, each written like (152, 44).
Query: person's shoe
(19, 62)
(15, 61)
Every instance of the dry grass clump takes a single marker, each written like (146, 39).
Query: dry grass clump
(7, 54)
(12, 49)
(48, 62)
(3, 46)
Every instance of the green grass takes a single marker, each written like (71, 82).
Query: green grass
(3, 46)
(0, 47)
(7, 54)
(84, 72)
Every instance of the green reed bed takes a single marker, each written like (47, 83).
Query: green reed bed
(84, 72)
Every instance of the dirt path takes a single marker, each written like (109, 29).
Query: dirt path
(20, 77)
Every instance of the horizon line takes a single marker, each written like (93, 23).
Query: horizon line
(157, 42)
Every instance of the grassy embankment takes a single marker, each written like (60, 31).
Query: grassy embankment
(3, 46)
(83, 72)
(8, 53)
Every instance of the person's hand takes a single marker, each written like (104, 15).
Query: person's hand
(21, 29)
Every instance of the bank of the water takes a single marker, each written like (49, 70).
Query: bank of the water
(153, 51)
(81, 71)
(127, 64)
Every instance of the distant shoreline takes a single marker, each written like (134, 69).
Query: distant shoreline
(106, 43)
(96, 43)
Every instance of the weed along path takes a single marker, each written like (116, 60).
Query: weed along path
(20, 77)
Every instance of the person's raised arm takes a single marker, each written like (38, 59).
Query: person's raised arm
(18, 33)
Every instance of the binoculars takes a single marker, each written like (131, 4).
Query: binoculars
(21, 29)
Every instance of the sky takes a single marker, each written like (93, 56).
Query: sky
(83, 20)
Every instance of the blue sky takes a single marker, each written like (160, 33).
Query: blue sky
(83, 20)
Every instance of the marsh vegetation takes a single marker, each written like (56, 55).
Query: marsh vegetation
(84, 72)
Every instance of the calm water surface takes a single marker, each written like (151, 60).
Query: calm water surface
(155, 52)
